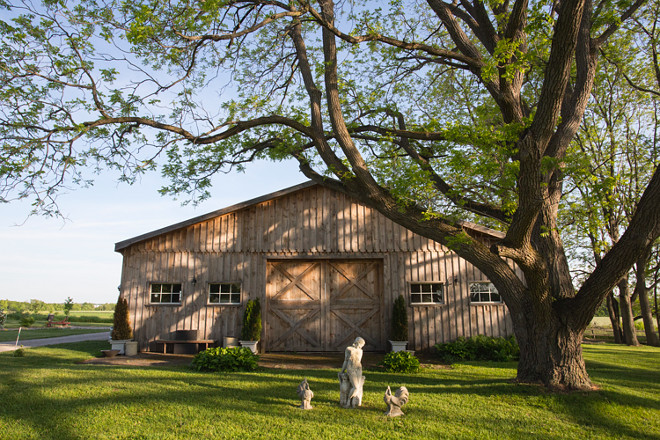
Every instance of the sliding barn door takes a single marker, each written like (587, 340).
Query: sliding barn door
(322, 305)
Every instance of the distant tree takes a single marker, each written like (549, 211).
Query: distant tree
(86, 306)
(68, 305)
(36, 305)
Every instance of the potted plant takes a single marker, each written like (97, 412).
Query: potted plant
(399, 333)
(122, 333)
(251, 331)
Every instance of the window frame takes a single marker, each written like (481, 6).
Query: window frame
(431, 293)
(220, 293)
(490, 293)
(161, 293)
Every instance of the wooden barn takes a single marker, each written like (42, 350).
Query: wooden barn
(325, 267)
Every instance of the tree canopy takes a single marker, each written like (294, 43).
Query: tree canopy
(431, 112)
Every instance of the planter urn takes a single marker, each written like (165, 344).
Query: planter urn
(119, 344)
(398, 345)
(252, 345)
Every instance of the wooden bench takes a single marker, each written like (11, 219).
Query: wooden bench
(174, 343)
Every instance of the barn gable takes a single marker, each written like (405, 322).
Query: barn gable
(325, 267)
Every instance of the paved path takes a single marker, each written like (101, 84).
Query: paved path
(104, 336)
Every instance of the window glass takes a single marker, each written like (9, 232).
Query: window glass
(225, 293)
(165, 293)
(427, 293)
(484, 292)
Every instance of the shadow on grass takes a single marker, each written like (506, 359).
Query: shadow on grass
(49, 392)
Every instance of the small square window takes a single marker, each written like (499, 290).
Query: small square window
(427, 293)
(484, 292)
(165, 293)
(225, 293)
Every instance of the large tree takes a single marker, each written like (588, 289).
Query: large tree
(430, 112)
(616, 152)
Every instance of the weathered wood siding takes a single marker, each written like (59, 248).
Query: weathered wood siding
(312, 223)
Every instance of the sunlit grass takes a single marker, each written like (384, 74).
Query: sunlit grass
(47, 395)
(54, 332)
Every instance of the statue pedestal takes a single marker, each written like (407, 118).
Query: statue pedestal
(349, 397)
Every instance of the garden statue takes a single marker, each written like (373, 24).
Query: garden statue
(351, 380)
(305, 395)
(396, 401)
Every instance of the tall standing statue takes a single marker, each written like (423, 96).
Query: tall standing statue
(351, 380)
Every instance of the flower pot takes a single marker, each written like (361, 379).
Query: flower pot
(229, 342)
(398, 345)
(131, 348)
(119, 344)
(110, 353)
(252, 345)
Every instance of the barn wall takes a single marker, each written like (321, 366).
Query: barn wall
(310, 223)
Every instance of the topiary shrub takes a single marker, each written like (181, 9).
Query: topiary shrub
(251, 330)
(400, 362)
(225, 359)
(482, 348)
(399, 320)
(121, 327)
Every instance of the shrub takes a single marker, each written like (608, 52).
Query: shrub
(482, 348)
(26, 320)
(400, 362)
(225, 359)
(399, 320)
(121, 328)
(19, 352)
(251, 330)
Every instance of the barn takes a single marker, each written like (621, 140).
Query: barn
(325, 267)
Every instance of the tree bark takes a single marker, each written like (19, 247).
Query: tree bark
(615, 318)
(627, 318)
(643, 294)
(551, 353)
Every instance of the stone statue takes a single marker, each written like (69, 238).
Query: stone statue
(305, 395)
(351, 380)
(396, 401)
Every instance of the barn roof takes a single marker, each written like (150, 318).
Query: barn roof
(121, 245)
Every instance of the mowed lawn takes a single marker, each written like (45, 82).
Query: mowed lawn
(44, 333)
(49, 394)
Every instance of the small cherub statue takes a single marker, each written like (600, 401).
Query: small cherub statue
(396, 401)
(305, 395)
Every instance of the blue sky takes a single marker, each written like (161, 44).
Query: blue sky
(51, 259)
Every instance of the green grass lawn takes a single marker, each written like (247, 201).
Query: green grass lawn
(49, 395)
(39, 333)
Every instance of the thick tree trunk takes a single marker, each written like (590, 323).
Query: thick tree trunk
(647, 317)
(629, 333)
(655, 301)
(615, 318)
(643, 293)
(551, 354)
